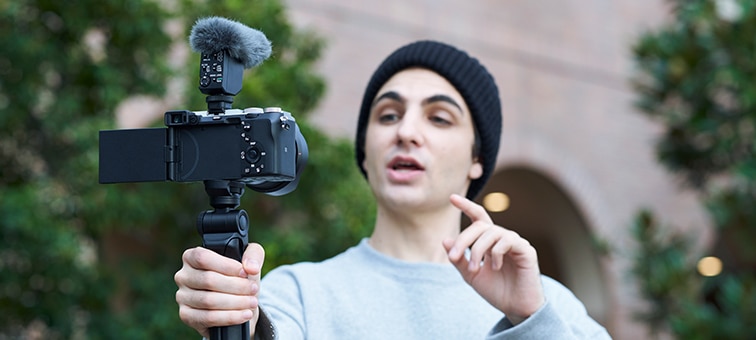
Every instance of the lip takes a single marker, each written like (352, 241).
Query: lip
(404, 169)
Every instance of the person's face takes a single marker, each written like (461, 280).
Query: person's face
(419, 141)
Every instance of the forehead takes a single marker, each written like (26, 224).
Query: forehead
(420, 83)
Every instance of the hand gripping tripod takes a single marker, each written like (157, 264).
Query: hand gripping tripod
(225, 230)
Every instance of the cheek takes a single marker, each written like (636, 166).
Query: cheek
(369, 163)
(457, 147)
(458, 158)
(377, 136)
(372, 149)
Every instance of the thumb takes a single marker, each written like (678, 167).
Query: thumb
(456, 256)
(253, 259)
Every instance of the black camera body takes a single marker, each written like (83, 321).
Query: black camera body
(262, 148)
(257, 145)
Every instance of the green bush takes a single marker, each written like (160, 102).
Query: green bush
(84, 260)
(697, 77)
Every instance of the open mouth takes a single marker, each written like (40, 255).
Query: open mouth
(405, 164)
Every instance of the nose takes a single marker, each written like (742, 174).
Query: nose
(409, 129)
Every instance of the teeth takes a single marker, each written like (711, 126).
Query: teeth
(404, 165)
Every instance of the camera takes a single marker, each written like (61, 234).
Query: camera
(260, 147)
(227, 149)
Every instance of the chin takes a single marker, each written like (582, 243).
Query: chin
(413, 200)
(402, 196)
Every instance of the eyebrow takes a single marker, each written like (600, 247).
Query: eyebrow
(389, 95)
(442, 98)
(393, 95)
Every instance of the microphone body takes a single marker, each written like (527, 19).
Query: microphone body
(227, 47)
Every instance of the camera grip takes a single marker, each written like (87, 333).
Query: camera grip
(225, 231)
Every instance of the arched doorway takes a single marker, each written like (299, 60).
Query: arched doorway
(541, 212)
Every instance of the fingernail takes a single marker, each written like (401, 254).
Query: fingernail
(454, 252)
(252, 264)
(247, 314)
(472, 266)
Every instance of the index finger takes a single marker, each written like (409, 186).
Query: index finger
(205, 259)
(473, 210)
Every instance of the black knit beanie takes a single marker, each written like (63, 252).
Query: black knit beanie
(466, 74)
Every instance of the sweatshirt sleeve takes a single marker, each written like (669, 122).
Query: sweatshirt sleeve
(280, 298)
(563, 316)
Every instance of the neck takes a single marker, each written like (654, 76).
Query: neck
(414, 237)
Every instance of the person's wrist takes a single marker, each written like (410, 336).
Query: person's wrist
(517, 317)
(516, 320)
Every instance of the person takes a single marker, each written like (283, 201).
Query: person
(427, 139)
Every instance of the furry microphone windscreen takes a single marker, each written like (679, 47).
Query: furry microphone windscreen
(215, 34)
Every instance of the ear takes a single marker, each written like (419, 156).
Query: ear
(476, 170)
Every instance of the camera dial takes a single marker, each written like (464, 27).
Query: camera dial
(253, 155)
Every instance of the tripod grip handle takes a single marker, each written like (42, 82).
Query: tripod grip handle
(230, 332)
(226, 233)
(231, 246)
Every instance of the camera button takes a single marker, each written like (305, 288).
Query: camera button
(253, 155)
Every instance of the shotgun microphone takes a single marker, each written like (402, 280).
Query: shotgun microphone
(227, 47)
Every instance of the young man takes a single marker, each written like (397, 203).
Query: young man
(427, 139)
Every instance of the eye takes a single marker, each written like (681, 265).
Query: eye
(439, 120)
(388, 117)
(441, 117)
(388, 114)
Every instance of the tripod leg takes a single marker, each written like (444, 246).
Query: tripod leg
(230, 332)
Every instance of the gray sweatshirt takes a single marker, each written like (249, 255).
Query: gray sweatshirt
(363, 294)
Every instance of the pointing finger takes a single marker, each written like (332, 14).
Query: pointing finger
(473, 210)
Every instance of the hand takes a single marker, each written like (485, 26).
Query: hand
(503, 267)
(214, 290)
